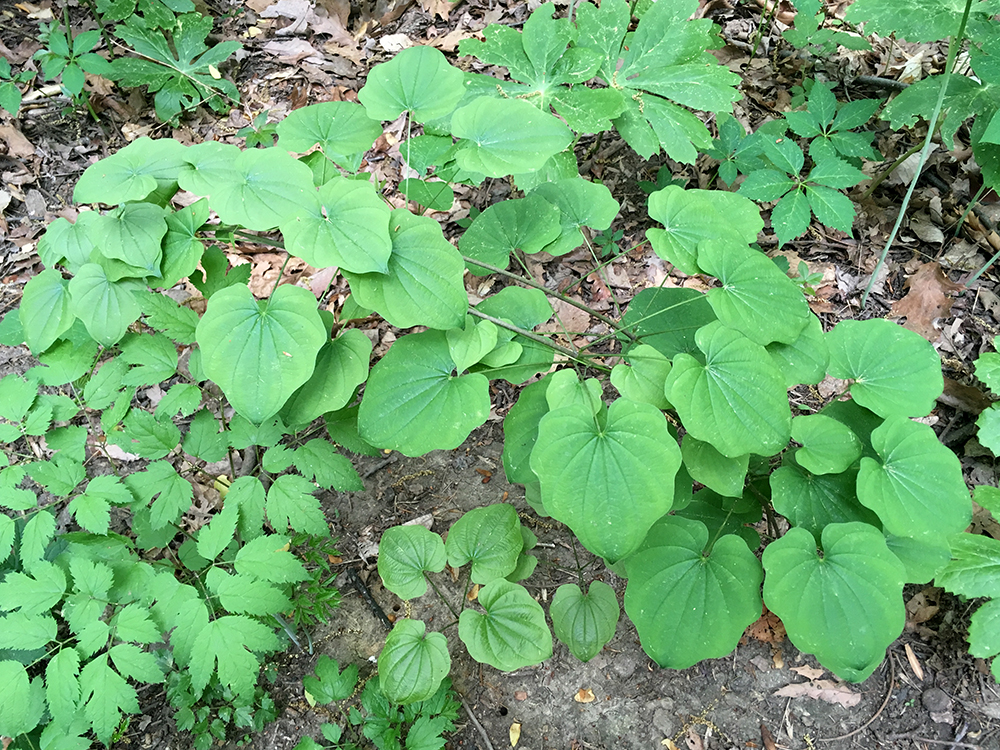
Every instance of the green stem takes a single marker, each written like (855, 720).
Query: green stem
(895, 165)
(550, 292)
(533, 336)
(442, 596)
(953, 46)
(972, 205)
(258, 239)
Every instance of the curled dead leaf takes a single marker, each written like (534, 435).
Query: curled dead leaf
(473, 593)
(584, 695)
(928, 298)
(823, 690)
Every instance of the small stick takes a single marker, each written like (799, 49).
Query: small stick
(888, 695)
(475, 723)
(366, 594)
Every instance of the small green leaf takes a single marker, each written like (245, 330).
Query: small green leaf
(814, 501)
(822, 598)
(291, 504)
(404, 554)
(434, 195)
(709, 467)
(643, 378)
(15, 714)
(667, 319)
(144, 436)
(173, 493)
(828, 446)
(581, 204)
(243, 594)
(490, 538)
(527, 224)
(203, 439)
(585, 622)
(418, 79)
(790, 218)
(688, 605)
(154, 357)
(107, 308)
(45, 312)
(513, 632)
(163, 314)
(341, 366)
(804, 360)
(412, 663)
(267, 558)
(318, 460)
(181, 398)
(470, 344)
(330, 683)
(16, 396)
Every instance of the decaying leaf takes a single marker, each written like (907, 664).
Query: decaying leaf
(928, 298)
(810, 673)
(768, 629)
(914, 662)
(822, 690)
(923, 605)
(584, 695)
(693, 740)
(515, 733)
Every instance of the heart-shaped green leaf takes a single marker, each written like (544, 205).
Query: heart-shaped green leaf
(404, 554)
(490, 538)
(520, 431)
(414, 403)
(341, 366)
(845, 605)
(643, 378)
(131, 173)
(804, 360)
(581, 203)
(667, 319)
(813, 501)
(132, 233)
(737, 400)
(506, 136)
(725, 515)
(709, 467)
(525, 308)
(828, 446)
(513, 632)
(434, 195)
(348, 226)
(895, 371)
(628, 463)
(755, 298)
(686, 605)
(470, 344)
(526, 224)
(423, 285)
(566, 389)
(418, 79)
(916, 487)
(107, 308)
(923, 557)
(585, 622)
(343, 131)
(45, 311)
(260, 352)
(412, 663)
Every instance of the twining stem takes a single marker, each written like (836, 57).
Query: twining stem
(953, 45)
(533, 336)
(550, 292)
(440, 595)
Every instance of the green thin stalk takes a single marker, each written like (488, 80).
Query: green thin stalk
(953, 45)
(530, 335)
(968, 209)
(895, 165)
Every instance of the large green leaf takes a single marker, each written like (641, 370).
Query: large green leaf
(709, 467)
(133, 234)
(585, 622)
(688, 605)
(418, 79)
(342, 129)
(404, 554)
(412, 663)
(506, 136)
(525, 308)
(260, 352)
(107, 308)
(45, 312)
(895, 371)
(804, 360)
(423, 285)
(846, 605)
(68, 244)
(668, 318)
(828, 446)
(923, 557)
(526, 224)
(917, 21)
(581, 203)
(414, 403)
(131, 173)
(346, 226)
(513, 632)
(916, 487)
(813, 501)
(341, 366)
(520, 431)
(755, 298)
(737, 400)
(608, 482)
(490, 538)
(260, 189)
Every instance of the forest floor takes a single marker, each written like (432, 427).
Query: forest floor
(929, 693)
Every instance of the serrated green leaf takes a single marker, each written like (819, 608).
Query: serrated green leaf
(34, 594)
(628, 461)
(291, 504)
(173, 493)
(790, 217)
(16, 396)
(163, 314)
(267, 558)
(687, 605)
(831, 207)
(181, 398)
(231, 641)
(59, 475)
(133, 623)
(154, 359)
(92, 508)
(919, 21)
(895, 371)
(318, 459)
(513, 632)
(203, 439)
(144, 436)
(585, 622)
(244, 594)
(820, 599)
(14, 710)
(330, 683)
(413, 403)
(404, 554)
(489, 537)
(62, 684)
(21, 632)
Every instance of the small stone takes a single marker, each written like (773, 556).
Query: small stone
(520, 695)
(935, 700)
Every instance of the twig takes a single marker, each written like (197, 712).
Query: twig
(475, 723)
(366, 594)
(882, 83)
(888, 695)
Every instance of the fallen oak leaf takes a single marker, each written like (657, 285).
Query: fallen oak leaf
(823, 690)
(928, 298)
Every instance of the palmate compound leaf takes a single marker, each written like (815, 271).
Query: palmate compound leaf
(404, 554)
(490, 538)
(609, 481)
(755, 298)
(418, 79)
(737, 400)
(512, 633)
(345, 225)
(260, 352)
(895, 371)
(234, 642)
(916, 487)
(414, 403)
(423, 285)
(686, 605)
(585, 622)
(846, 605)
(691, 216)
(412, 663)
(526, 224)
(506, 136)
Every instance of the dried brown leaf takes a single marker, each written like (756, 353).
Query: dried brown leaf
(810, 673)
(584, 695)
(927, 299)
(822, 690)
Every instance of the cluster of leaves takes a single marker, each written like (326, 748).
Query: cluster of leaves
(418, 725)
(167, 53)
(871, 496)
